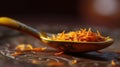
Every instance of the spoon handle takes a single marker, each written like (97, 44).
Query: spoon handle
(13, 24)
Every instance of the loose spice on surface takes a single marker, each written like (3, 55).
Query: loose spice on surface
(22, 48)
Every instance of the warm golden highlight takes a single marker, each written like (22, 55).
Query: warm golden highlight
(82, 35)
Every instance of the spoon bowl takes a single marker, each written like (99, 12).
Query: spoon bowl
(71, 46)
(65, 46)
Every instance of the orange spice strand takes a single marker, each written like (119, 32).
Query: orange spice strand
(20, 47)
(82, 35)
(28, 47)
(73, 61)
(59, 53)
(53, 63)
(35, 61)
(39, 49)
(113, 62)
(16, 53)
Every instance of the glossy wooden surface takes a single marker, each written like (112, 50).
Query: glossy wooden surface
(9, 39)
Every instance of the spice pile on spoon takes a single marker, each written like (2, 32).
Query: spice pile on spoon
(81, 35)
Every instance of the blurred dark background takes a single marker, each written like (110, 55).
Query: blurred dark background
(92, 12)
(46, 7)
